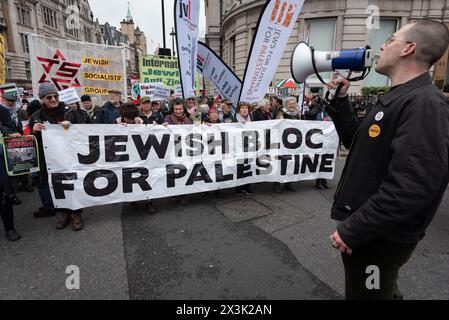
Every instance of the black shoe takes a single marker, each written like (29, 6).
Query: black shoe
(219, 194)
(318, 186)
(277, 188)
(44, 213)
(14, 200)
(13, 235)
(240, 193)
(150, 208)
(289, 187)
(324, 183)
(25, 187)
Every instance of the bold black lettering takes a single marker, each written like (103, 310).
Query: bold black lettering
(292, 145)
(94, 151)
(194, 141)
(297, 162)
(219, 176)
(152, 142)
(112, 148)
(212, 143)
(250, 141)
(92, 190)
(172, 175)
(243, 168)
(309, 142)
(203, 175)
(326, 162)
(264, 162)
(284, 160)
(178, 146)
(268, 144)
(141, 180)
(308, 163)
(59, 187)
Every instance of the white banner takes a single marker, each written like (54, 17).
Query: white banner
(91, 69)
(217, 72)
(275, 26)
(161, 92)
(187, 18)
(90, 165)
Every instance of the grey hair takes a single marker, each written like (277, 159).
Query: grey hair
(287, 100)
(263, 102)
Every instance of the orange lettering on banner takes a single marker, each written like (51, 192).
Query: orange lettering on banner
(94, 90)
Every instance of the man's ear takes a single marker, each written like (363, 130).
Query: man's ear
(409, 50)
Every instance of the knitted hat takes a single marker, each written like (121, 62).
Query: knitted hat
(212, 109)
(47, 88)
(85, 98)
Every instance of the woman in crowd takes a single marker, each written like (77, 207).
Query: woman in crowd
(129, 114)
(243, 116)
(263, 111)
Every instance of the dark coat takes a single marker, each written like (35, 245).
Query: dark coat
(259, 115)
(156, 117)
(108, 114)
(397, 169)
(77, 116)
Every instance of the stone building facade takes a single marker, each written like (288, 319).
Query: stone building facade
(331, 25)
(69, 19)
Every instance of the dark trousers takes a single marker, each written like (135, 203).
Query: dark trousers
(44, 193)
(360, 277)
(6, 211)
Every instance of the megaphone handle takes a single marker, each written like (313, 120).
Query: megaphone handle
(332, 95)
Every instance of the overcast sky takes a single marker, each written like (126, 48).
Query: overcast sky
(147, 14)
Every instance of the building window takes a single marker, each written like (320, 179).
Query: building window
(70, 27)
(98, 38)
(49, 17)
(377, 38)
(25, 45)
(28, 70)
(87, 34)
(322, 37)
(8, 69)
(232, 52)
(23, 16)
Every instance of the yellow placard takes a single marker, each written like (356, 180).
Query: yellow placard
(102, 76)
(2, 61)
(101, 62)
(95, 90)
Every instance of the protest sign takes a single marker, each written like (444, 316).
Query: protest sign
(275, 25)
(69, 96)
(91, 69)
(21, 155)
(187, 18)
(90, 165)
(219, 74)
(161, 92)
(2, 60)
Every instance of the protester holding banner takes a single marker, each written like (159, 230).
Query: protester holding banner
(148, 115)
(91, 109)
(191, 107)
(6, 205)
(110, 111)
(263, 111)
(129, 114)
(179, 114)
(226, 115)
(212, 117)
(243, 116)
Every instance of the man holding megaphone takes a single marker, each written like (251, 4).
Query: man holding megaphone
(397, 170)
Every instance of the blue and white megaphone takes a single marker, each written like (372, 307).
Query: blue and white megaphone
(307, 61)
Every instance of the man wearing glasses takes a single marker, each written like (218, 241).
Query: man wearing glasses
(397, 170)
(53, 112)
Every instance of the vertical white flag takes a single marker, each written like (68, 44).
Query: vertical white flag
(187, 18)
(275, 26)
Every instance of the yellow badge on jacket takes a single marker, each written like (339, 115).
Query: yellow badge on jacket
(374, 131)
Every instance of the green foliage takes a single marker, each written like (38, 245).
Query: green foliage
(366, 91)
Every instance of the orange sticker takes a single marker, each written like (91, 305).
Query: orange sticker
(374, 131)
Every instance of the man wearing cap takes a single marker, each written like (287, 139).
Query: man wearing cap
(53, 112)
(148, 115)
(110, 111)
(89, 108)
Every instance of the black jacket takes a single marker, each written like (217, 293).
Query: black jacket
(259, 115)
(156, 117)
(77, 116)
(397, 169)
(108, 114)
(6, 124)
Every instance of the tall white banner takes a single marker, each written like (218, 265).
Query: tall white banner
(90, 165)
(219, 74)
(275, 26)
(91, 69)
(187, 19)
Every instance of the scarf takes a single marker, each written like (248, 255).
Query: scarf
(242, 119)
(291, 114)
(89, 112)
(182, 120)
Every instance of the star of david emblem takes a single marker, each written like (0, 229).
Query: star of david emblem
(65, 76)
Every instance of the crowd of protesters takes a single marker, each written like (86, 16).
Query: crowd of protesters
(174, 111)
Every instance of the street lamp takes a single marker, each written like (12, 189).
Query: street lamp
(173, 34)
